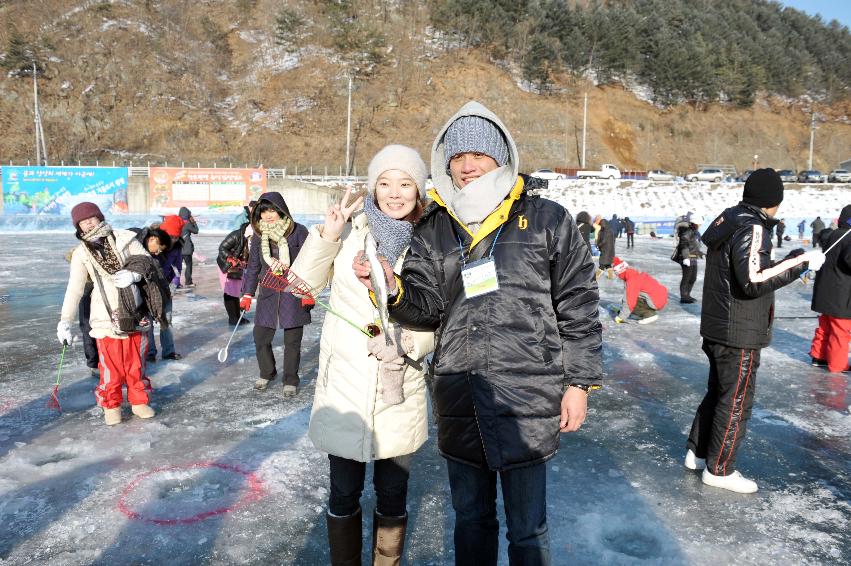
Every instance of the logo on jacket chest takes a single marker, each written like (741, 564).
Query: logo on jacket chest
(522, 222)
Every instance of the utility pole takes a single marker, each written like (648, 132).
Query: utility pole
(349, 127)
(812, 138)
(584, 128)
(40, 146)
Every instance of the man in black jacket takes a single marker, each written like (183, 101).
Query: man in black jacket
(189, 227)
(817, 225)
(832, 300)
(506, 280)
(686, 253)
(738, 311)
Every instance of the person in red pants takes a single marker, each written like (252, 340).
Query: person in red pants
(831, 299)
(101, 257)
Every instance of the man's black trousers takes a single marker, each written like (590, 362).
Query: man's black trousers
(721, 421)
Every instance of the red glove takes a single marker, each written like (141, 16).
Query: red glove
(245, 302)
(232, 261)
(307, 302)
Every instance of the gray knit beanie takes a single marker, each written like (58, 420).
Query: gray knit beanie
(474, 134)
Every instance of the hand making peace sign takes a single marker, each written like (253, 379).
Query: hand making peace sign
(338, 215)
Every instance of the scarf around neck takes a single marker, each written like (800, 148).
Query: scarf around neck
(392, 235)
(276, 232)
(477, 200)
(100, 244)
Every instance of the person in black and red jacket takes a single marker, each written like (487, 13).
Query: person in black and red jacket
(832, 300)
(735, 322)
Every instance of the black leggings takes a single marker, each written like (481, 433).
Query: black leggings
(390, 478)
(688, 279)
(266, 358)
(187, 270)
(232, 308)
(90, 347)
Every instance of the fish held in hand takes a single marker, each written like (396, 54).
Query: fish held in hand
(379, 284)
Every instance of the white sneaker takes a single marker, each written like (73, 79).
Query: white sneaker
(290, 391)
(649, 319)
(261, 384)
(692, 462)
(734, 482)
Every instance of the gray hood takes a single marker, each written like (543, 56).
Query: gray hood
(495, 185)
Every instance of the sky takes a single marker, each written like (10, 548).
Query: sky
(828, 9)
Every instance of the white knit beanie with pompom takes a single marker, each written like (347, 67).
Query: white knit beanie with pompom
(402, 158)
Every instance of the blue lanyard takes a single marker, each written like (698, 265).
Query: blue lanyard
(490, 253)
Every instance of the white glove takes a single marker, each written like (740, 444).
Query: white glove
(63, 332)
(125, 278)
(815, 258)
(687, 262)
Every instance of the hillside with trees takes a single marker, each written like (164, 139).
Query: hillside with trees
(685, 51)
(669, 83)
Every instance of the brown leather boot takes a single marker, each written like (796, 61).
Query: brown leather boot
(388, 539)
(345, 539)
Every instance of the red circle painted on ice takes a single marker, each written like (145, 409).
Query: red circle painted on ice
(253, 493)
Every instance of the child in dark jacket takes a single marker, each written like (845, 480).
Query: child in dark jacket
(165, 248)
(275, 244)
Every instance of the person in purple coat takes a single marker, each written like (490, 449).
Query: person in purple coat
(273, 226)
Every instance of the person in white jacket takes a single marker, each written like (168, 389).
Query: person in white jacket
(101, 256)
(368, 406)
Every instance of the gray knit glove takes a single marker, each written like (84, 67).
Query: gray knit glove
(392, 374)
(383, 351)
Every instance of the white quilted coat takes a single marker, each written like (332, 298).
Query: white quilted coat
(83, 268)
(349, 418)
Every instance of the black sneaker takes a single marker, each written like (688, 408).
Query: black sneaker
(818, 363)
(173, 356)
(688, 300)
(151, 358)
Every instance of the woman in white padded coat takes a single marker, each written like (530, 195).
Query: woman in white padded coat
(369, 406)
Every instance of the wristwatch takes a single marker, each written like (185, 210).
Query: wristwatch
(585, 388)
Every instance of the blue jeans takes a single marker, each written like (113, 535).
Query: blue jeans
(524, 493)
(166, 338)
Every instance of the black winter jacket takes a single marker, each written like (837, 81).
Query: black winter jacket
(738, 288)
(189, 228)
(688, 244)
(832, 291)
(583, 220)
(606, 243)
(235, 245)
(503, 359)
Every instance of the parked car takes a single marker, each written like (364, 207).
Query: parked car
(660, 175)
(548, 175)
(839, 176)
(744, 176)
(811, 176)
(712, 175)
(788, 176)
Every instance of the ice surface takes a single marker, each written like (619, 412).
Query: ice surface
(617, 492)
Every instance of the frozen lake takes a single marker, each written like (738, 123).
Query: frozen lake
(226, 475)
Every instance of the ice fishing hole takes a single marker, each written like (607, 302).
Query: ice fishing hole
(55, 458)
(633, 543)
(186, 494)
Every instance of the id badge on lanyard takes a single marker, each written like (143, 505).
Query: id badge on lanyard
(479, 277)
